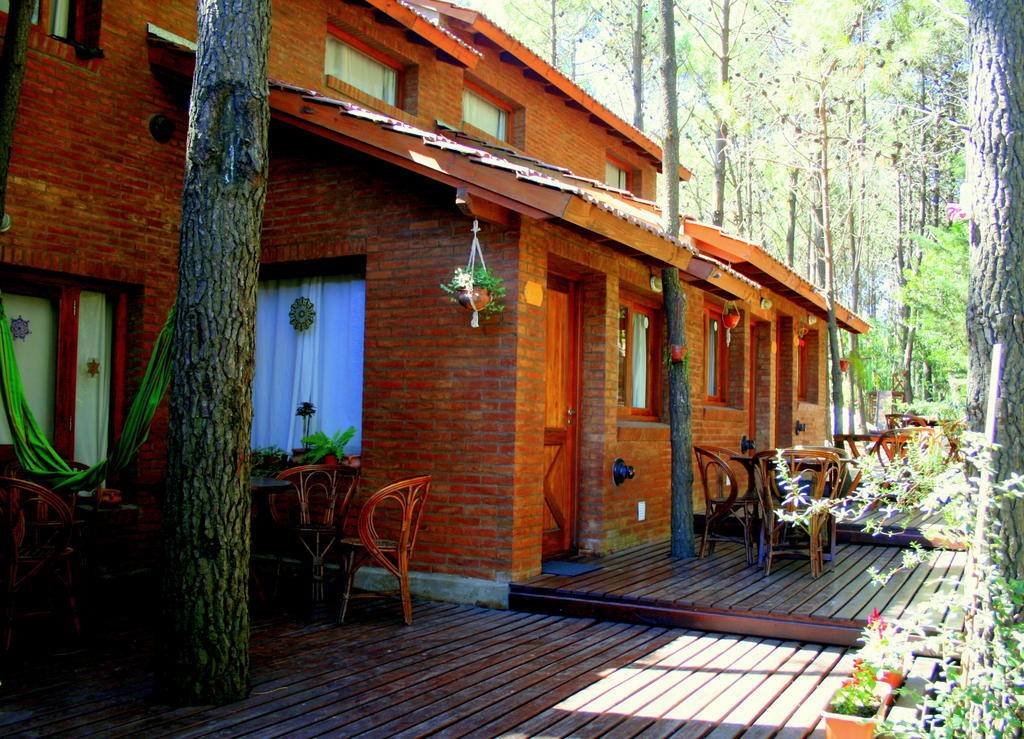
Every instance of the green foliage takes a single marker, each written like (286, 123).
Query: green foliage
(320, 445)
(980, 690)
(856, 696)
(267, 461)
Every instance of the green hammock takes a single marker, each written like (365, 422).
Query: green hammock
(33, 449)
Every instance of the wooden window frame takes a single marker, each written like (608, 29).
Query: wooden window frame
(376, 55)
(655, 346)
(626, 169)
(497, 102)
(801, 368)
(65, 293)
(714, 312)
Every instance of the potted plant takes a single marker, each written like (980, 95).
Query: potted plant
(731, 315)
(478, 289)
(856, 707)
(886, 648)
(267, 461)
(328, 449)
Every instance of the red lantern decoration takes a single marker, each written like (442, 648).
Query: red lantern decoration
(801, 342)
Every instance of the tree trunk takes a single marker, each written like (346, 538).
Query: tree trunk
(638, 67)
(203, 646)
(12, 73)
(828, 263)
(995, 303)
(721, 129)
(682, 537)
(794, 180)
(554, 33)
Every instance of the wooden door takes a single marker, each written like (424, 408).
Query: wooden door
(560, 418)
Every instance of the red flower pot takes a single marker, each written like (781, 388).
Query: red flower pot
(731, 320)
(844, 364)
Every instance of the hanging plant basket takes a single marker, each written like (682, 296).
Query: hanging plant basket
(844, 365)
(475, 287)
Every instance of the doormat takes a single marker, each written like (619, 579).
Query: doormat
(570, 569)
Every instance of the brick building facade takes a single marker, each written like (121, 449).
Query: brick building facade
(94, 200)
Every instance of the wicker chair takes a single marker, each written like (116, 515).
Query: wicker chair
(312, 514)
(35, 534)
(723, 499)
(817, 475)
(388, 523)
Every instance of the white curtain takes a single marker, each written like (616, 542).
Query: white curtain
(641, 324)
(92, 384)
(322, 364)
(36, 352)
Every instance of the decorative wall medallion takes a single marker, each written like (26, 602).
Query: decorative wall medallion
(19, 328)
(92, 368)
(302, 314)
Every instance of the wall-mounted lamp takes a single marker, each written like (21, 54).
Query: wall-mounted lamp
(161, 128)
(716, 275)
(766, 304)
(811, 320)
(621, 472)
(800, 427)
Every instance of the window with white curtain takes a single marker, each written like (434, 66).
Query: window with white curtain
(37, 332)
(322, 364)
(361, 71)
(639, 346)
(480, 112)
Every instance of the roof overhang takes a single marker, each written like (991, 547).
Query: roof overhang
(753, 262)
(482, 175)
(449, 47)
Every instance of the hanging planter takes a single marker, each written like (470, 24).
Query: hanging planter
(844, 365)
(730, 319)
(731, 316)
(475, 287)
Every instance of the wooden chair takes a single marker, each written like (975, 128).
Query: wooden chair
(724, 498)
(904, 420)
(36, 526)
(313, 512)
(388, 523)
(817, 476)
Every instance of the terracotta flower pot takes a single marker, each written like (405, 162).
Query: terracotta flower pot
(731, 320)
(844, 726)
(844, 364)
(893, 678)
(478, 297)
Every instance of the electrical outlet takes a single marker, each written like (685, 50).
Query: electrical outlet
(641, 510)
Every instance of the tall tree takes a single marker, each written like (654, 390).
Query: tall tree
(12, 73)
(995, 181)
(205, 620)
(682, 536)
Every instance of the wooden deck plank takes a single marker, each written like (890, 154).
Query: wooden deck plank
(773, 686)
(524, 705)
(853, 586)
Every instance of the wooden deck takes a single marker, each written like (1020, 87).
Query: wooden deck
(457, 671)
(724, 593)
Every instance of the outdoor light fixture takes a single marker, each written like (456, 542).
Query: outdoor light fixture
(161, 128)
(621, 472)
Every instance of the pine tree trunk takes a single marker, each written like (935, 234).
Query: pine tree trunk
(203, 645)
(638, 66)
(12, 73)
(995, 180)
(682, 538)
(721, 128)
(794, 180)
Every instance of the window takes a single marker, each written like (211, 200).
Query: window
(807, 366)
(485, 114)
(638, 343)
(615, 175)
(715, 355)
(322, 364)
(68, 360)
(363, 69)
